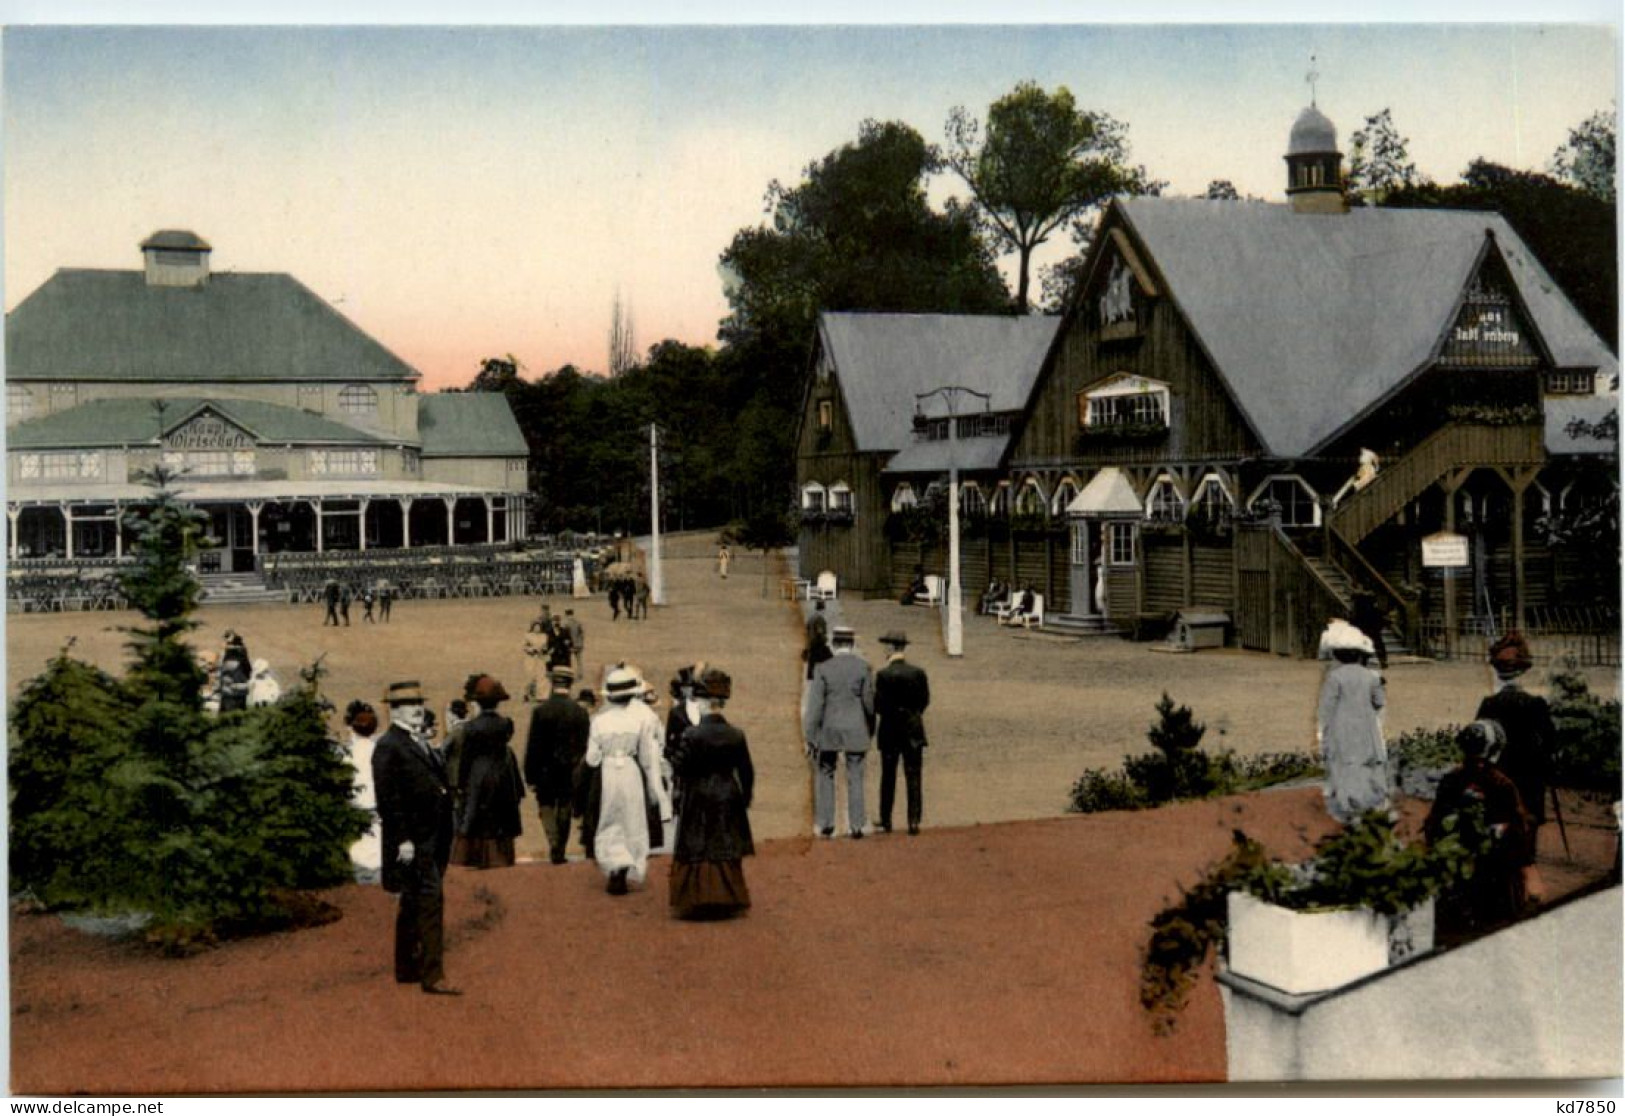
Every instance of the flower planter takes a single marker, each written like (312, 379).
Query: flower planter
(1300, 952)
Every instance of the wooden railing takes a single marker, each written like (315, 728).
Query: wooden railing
(1296, 629)
(1453, 446)
(1405, 612)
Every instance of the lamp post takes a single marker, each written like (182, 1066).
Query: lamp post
(955, 618)
(657, 583)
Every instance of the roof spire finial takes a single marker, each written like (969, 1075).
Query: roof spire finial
(1311, 77)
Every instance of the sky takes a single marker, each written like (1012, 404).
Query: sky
(464, 192)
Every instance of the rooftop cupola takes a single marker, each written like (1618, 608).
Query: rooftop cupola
(1314, 166)
(176, 258)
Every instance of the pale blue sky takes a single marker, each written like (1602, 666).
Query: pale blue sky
(467, 192)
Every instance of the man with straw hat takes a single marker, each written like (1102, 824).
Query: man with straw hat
(837, 725)
(554, 752)
(414, 811)
(902, 694)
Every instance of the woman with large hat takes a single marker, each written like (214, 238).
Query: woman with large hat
(1526, 722)
(712, 763)
(1350, 728)
(488, 776)
(624, 745)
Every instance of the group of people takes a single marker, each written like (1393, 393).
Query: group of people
(233, 682)
(847, 705)
(1501, 780)
(635, 785)
(552, 641)
(628, 593)
(337, 597)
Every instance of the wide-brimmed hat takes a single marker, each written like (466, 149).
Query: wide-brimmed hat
(404, 693)
(895, 638)
(487, 690)
(1340, 635)
(261, 666)
(1510, 656)
(1481, 738)
(622, 684)
(687, 676)
(843, 634)
(716, 685)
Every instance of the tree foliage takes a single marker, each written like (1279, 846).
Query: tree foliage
(1587, 158)
(1570, 231)
(128, 799)
(1041, 164)
(1380, 160)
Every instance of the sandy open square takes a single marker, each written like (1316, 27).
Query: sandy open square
(1012, 724)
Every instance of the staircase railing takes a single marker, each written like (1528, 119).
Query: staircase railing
(1452, 446)
(1406, 611)
(1316, 601)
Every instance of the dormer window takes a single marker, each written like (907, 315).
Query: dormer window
(1124, 400)
(1571, 381)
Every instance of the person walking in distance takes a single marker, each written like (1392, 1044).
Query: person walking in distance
(578, 640)
(554, 751)
(902, 694)
(330, 596)
(386, 597)
(838, 721)
(414, 810)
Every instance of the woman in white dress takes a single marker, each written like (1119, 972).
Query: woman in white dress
(367, 852)
(1350, 726)
(624, 745)
(263, 688)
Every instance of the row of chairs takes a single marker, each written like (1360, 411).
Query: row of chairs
(49, 593)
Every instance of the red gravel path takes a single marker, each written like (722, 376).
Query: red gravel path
(993, 954)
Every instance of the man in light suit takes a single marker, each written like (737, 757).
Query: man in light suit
(414, 807)
(838, 722)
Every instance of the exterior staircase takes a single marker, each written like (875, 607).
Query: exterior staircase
(1342, 586)
(1456, 445)
(239, 589)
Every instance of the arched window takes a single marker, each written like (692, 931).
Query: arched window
(358, 399)
(1213, 501)
(840, 498)
(1000, 503)
(1030, 500)
(812, 497)
(903, 498)
(1293, 497)
(1163, 504)
(1065, 492)
(971, 500)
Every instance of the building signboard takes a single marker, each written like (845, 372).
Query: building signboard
(1445, 550)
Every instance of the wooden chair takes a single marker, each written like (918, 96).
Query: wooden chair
(824, 589)
(934, 591)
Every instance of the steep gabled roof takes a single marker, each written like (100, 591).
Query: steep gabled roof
(884, 360)
(1313, 319)
(125, 422)
(469, 424)
(111, 325)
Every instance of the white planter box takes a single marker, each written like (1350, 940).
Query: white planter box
(1300, 952)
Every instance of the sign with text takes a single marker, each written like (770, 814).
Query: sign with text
(209, 431)
(1445, 550)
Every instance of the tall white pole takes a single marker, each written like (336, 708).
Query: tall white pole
(956, 619)
(657, 583)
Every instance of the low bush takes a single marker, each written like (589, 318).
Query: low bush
(1585, 755)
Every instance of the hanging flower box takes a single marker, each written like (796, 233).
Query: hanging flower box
(838, 517)
(811, 517)
(1121, 434)
(1300, 952)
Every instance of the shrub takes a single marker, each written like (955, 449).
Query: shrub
(128, 799)
(1586, 753)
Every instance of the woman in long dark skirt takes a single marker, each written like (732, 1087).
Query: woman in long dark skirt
(488, 773)
(712, 762)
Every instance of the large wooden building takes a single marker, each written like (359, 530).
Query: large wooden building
(291, 427)
(1261, 409)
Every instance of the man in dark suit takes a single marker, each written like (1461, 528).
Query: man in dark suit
(414, 805)
(902, 694)
(553, 753)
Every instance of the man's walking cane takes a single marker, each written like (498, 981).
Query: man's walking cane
(1557, 812)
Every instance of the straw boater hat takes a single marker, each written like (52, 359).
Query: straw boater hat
(1340, 635)
(404, 693)
(561, 676)
(623, 684)
(895, 638)
(1510, 656)
(843, 634)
